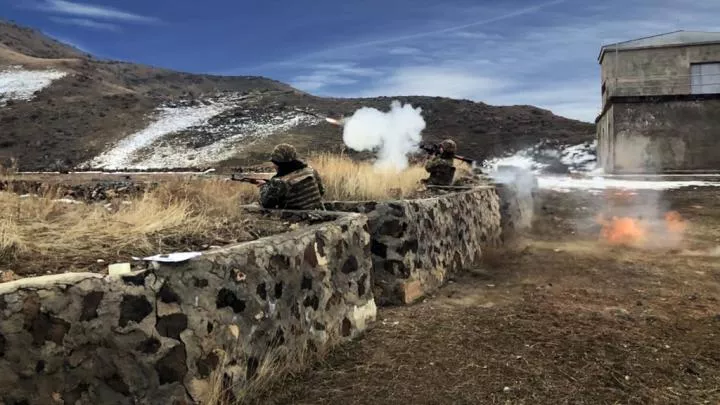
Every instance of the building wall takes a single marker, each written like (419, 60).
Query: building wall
(604, 130)
(653, 71)
(670, 135)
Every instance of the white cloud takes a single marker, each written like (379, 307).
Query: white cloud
(547, 59)
(93, 11)
(86, 23)
(347, 69)
(578, 99)
(435, 82)
(322, 75)
(404, 50)
(414, 36)
(476, 35)
(319, 80)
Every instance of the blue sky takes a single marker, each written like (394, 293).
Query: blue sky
(507, 52)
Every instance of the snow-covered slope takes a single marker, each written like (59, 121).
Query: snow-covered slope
(574, 167)
(168, 120)
(599, 183)
(197, 134)
(551, 157)
(17, 83)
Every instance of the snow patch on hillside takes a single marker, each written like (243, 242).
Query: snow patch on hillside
(211, 130)
(546, 157)
(568, 168)
(167, 121)
(240, 134)
(597, 183)
(17, 83)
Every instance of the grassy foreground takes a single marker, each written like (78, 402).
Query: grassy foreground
(57, 235)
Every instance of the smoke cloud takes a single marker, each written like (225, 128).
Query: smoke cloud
(393, 134)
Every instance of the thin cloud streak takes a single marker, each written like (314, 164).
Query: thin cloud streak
(86, 23)
(92, 11)
(552, 65)
(402, 38)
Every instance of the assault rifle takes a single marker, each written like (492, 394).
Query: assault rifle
(434, 149)
(256, 179)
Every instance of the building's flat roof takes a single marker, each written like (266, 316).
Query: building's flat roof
(674, 38)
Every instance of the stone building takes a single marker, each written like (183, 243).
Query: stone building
(661, 104)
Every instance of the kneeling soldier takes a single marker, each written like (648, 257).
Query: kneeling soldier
(295, 186)
(441, 168)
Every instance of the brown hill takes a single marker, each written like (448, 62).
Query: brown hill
(100, 102)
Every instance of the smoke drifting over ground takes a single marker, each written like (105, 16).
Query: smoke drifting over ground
(640, 219)
(393, 134)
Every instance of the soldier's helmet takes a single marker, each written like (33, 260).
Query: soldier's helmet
(283, 153)
(449, 146)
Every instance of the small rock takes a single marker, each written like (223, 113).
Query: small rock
(619, 312)
(506, 389)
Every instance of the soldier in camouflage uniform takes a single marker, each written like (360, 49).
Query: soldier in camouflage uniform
(441, 167)
(295, 186)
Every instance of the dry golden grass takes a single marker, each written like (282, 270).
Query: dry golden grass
(276, 364)
(177, 213)
(183, 213)
(462, 169)
(348, 180)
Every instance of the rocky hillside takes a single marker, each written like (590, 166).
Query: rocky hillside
(62, 108)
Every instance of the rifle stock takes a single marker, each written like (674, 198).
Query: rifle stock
(256, 179)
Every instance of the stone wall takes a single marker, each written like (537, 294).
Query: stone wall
(161, 335)
(417, 243)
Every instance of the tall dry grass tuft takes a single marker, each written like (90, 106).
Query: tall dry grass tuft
(349, 180)
(66, 234)
(8, 171)
(462, 169)
(276, 366)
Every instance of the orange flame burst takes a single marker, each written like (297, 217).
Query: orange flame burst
(623, 231)
(636, 232)
(675, 223)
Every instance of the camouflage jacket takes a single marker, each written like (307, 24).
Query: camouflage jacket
(277, 192)
(441, 171)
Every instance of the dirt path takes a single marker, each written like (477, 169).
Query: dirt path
(563, 321)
